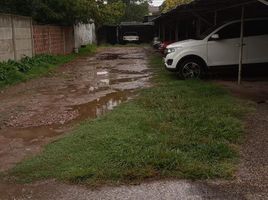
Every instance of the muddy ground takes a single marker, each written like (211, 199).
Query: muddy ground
(39, 111)
(34, 113)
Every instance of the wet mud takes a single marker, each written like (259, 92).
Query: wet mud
(42, 110)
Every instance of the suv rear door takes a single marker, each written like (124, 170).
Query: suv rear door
(256, 39)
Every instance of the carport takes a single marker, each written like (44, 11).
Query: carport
(145, 30)
(114, 34)
(191, 20)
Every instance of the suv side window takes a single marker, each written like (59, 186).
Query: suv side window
(257, 27)
(231, 31)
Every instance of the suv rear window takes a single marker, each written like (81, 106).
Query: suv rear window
(256, 27)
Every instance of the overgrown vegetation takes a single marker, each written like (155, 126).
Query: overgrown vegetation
(12, 72)
(69, 12)
(179, 129)
(171, 4)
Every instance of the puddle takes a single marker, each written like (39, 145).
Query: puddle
(108, 56)
(43, 110)
(102, 105)
(102, 73)
(32, 134)
(89, 110)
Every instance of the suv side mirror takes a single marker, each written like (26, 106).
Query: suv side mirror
(215, 37)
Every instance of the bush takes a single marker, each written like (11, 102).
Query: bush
(15, 71)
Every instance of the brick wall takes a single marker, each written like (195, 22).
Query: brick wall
(69, 39)
(20, 38)
(53, 39)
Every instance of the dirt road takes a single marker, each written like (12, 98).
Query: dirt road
(36, 112)
(39, 111)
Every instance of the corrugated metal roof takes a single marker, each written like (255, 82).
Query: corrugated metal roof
(204, 5)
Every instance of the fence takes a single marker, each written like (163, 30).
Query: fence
(53, 39)
(19, 37)
(15, 37)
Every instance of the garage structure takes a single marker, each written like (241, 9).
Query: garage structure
(114, 34)
(193, 19)
(145, 30)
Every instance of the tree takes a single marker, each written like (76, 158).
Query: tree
(135, 11)
(111, 13)
(68, 12)
(53, 11)
(170, 4)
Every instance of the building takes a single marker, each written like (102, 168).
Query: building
(193, 19)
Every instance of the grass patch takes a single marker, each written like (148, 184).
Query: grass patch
(179, 129)
(12, 72)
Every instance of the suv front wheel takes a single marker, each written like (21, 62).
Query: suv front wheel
(191, 69)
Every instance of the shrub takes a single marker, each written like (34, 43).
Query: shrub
(15, 71)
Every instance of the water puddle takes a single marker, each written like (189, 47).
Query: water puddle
(108, 56)
(90, 110)
(102, 105)
(31, 134)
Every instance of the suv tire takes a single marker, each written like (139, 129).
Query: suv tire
(191, 68)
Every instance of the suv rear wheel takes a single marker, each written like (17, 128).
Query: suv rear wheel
(191, 69)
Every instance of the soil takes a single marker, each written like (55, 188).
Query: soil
(39, 111)
(251, 181)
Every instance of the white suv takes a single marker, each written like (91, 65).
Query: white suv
(131, 37)
(219, 46)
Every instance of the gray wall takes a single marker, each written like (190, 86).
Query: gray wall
(15, 37)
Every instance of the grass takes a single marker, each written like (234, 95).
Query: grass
(176, 129)
(13, 72)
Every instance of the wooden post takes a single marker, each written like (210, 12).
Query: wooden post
(49, 40)
(63, 39)
(117, 34)
(32, 37)
(170, 35)
(164, 32)
(176, 32)
(14, 37)
(241, 45)
(198, 27)
(159, 31)
(215, 18)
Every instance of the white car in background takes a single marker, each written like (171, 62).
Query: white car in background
(219, 46)
(131, 37)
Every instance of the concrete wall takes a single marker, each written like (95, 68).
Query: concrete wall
(20, 38)
(15, 37)
(84, 34)
(53, 39)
